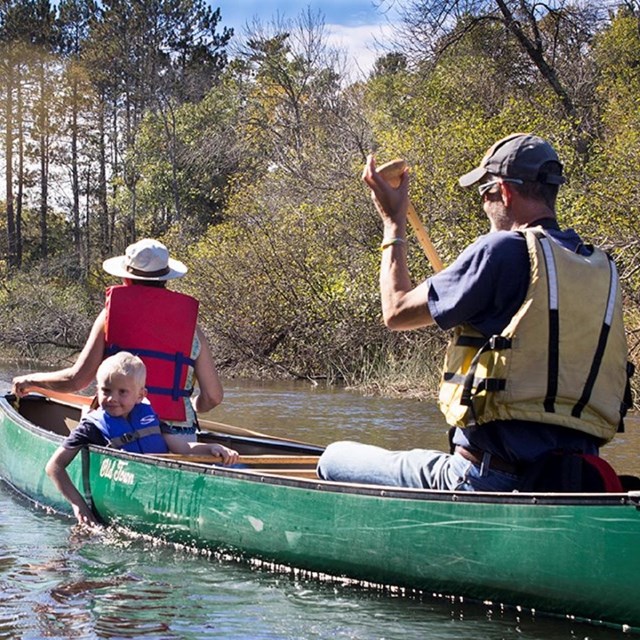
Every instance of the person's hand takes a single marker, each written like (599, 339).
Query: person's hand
(21, 385)
(85, 516)
(391, 202)
(229, 456)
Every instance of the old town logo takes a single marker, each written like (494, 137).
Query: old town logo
(116, 470)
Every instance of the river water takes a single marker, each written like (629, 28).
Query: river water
(58, 583)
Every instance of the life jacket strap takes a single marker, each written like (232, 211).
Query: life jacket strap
(179, 360)
(602, 342)
(126, 438)
(494, 343)
(553, 345)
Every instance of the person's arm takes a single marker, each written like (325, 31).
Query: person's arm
(404, 306)
(210, 392)
(57, 470)
(179, 445)
(74, 378)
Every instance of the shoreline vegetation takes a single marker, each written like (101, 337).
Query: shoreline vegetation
(243, 154)
(411, 377)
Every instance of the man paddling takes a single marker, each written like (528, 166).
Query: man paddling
(538, 360)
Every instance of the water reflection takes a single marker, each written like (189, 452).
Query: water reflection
(321, 415)
(65, 585)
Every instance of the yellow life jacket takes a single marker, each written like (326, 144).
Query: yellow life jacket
(562, 359)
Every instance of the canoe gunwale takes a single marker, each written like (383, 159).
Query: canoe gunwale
(316, 484)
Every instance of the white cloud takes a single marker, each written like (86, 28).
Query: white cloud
(361, 43)
(353, 26)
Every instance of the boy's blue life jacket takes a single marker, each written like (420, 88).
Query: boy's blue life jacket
(138, 433)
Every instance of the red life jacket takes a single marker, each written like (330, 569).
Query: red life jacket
(157, 325)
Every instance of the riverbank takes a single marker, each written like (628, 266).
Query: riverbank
(413, 376)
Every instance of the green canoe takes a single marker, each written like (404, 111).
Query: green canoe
(567, 554)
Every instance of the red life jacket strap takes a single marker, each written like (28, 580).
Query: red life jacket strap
(179, 360)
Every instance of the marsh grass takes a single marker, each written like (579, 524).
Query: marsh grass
(410, 370)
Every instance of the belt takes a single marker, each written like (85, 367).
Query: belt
(475, 456)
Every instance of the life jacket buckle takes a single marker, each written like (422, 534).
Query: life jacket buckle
(497, 343)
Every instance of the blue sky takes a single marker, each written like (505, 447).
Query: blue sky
(353, 25)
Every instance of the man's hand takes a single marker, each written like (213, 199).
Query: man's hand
(391, 202)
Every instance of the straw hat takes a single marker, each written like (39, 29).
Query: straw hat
(145, 260)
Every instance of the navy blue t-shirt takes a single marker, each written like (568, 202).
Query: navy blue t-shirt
(485, 287)
(85, 433)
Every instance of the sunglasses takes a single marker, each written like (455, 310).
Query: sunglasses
(485, 187)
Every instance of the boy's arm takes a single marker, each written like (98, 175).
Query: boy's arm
(57, 470)
(177, 445)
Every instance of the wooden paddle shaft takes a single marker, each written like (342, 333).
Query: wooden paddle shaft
(256, 460)
(392, 172)
(79, 401)
(69, 398)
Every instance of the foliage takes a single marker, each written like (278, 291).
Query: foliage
(184, 176)
(288, 288)
(248, 168)
(45, 315)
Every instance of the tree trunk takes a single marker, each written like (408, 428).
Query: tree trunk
(8, 151)
(21, 173)
(103, 209)
(169, 124)
(87, 221)
(537, 57)
(75, 178)
(43, 139)
(115, 173)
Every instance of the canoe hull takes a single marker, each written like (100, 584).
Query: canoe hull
(573, 555)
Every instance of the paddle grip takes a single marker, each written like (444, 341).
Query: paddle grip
(392, 172)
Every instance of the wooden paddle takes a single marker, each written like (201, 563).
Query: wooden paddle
(252, 461)
(392, 172)
(78, 400)
(69, 398)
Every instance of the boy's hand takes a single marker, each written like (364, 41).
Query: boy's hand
(229, 456)
(85, 516)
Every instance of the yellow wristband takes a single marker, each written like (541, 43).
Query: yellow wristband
(391, 242)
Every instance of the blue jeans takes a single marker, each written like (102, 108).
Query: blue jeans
(347, 461)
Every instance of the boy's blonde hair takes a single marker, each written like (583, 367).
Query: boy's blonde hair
(125, 364)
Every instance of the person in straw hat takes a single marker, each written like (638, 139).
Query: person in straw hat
(160, 326)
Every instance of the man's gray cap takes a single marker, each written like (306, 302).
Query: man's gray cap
(520, 155)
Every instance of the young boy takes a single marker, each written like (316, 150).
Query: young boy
(121, 421)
